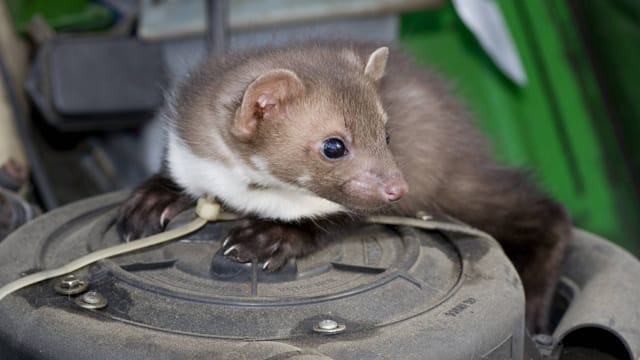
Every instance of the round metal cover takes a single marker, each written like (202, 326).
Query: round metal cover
(374, 282)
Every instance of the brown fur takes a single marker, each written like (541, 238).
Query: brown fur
(338, 100)
(443, 157)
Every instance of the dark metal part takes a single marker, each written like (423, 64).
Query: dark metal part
(217, 24)
(62, 82)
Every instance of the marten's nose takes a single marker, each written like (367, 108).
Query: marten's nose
(395, 188)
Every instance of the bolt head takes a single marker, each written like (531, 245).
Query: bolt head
(70, 282)
(328, 326)
(71, 285)
(92, 300)
(91, 297)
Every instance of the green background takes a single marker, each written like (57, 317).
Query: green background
(558, 124)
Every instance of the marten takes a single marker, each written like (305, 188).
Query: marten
(304, 137)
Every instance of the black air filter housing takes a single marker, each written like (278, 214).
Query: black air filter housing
(392, 292)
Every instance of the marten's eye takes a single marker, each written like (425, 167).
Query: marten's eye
(387, 138)
(333, 148)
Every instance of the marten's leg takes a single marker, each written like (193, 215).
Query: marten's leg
(275, 242)
(150, 207)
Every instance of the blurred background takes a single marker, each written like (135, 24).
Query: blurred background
(551, 82)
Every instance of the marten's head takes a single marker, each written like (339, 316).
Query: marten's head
(313, 135)
(323, 131)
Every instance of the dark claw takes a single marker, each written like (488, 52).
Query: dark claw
(276, 262)
(237, 253)
(271, 242)
(150, 208)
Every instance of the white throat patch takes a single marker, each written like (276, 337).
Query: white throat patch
(233, 185)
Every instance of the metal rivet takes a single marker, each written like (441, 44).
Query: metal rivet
(92, 300)
(70, 285)
(328, 326)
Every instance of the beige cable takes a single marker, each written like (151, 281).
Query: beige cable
(207, 210)
(425, 222)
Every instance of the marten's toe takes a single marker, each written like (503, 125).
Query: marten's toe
(273, 243)
(149, 208)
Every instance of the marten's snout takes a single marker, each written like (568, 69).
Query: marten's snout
(370, 190)
(395, 188)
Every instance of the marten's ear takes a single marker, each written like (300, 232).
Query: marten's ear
(264, 99)
(376, 64)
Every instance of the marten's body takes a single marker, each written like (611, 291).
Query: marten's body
(299, 136)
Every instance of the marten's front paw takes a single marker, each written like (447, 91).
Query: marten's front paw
(150, 207)
(273, 243)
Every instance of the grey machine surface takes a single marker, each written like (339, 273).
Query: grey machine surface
(381, 292)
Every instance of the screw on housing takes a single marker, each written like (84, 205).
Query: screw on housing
(92, 300)
(328, 326)
(71, 285)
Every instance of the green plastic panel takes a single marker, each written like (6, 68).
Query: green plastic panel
(63, 15)
(613, 31)
(548, 124)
